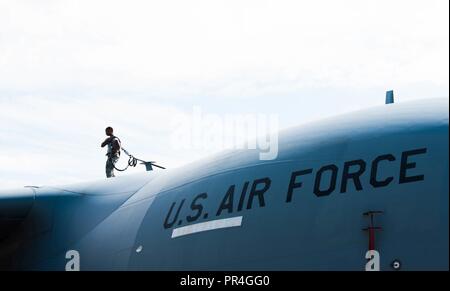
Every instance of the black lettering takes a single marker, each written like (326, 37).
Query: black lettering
(242, 198)
(293, 185)
(198, 207)
(334, 170)
(373, 173)
(259, 193)
(355, 176)
(170, 224)
(227, 201)
(405, 166)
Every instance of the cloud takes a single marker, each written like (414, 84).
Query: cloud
(154, 46)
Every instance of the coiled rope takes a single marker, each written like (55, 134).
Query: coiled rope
(132, 162)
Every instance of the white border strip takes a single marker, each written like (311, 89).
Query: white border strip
(208, 225)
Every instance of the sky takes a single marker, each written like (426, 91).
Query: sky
(68, 69)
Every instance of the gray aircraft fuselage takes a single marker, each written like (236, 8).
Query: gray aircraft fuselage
(233, 211)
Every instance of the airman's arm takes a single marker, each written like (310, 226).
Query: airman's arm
(107, 141)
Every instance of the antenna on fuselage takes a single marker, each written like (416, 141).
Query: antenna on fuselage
(390, 97)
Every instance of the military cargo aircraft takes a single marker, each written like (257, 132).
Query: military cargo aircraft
(371, 180)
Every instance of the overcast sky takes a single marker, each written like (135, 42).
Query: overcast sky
(68, 69)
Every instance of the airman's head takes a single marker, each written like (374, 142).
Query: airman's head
(109, 131)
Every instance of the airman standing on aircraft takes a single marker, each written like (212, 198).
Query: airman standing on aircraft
(113, 152)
